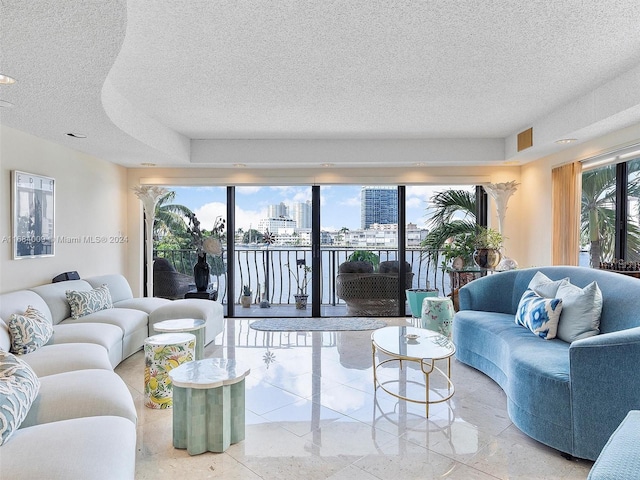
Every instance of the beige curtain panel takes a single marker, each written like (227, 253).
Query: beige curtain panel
(566, 191)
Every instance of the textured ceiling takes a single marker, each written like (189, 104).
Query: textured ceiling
(313, 70)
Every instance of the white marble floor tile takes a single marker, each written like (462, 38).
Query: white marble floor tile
(312, 412)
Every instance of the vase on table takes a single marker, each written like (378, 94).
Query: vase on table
(201, 273)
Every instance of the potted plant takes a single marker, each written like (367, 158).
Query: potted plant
(365, 256)
(301, 274)
(488, 243)
(245, 299)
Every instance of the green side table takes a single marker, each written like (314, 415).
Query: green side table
(208, 405)
(185, 325)
(437, 315)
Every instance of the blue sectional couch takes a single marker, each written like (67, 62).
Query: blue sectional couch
(570, 396)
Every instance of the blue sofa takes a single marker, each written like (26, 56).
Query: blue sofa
(568, 396)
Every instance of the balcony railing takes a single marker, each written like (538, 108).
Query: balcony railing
(266, 270)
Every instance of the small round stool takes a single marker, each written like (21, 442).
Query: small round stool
(188, 325)
(162, 353)
(437, 315)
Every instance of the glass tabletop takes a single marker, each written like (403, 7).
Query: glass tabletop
(411, 342)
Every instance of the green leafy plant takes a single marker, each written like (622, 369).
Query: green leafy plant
(461, 245)
(488, 238)
(246, 291)
(365, 256)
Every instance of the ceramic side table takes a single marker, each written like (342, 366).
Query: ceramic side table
(208, 405)
(188, 325)
(162, 353)
(437, 315)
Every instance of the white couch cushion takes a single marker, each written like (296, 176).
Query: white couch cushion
(67, 357)
(118, 286)
(83, 393)
(103, 334)
(54, 295)
(96, 448)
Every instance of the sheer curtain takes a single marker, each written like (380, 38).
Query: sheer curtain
(566, 192)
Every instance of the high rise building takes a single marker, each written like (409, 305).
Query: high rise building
(278, 211)
(301, 213)
(378, 205)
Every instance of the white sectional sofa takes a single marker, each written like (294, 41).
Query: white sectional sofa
(82, 424)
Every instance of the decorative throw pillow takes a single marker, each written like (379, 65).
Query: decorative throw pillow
(29, 331)
(85, 302)
(539, 314)
(19, 386)
(580, 312)
(544, 286)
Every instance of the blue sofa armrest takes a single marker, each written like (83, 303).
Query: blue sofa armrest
(605, 386)
(493, 293)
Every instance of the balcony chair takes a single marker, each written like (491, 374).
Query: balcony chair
(167, 282)
(369, 293)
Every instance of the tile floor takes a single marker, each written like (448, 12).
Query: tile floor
(312, 413)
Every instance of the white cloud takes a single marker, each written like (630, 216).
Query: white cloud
(248, 190)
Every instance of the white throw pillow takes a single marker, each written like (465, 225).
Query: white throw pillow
(581, 309)
(544, 286)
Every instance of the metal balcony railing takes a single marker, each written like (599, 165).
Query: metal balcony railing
(266, 270)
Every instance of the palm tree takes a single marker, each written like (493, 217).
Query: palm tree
(170, 218)
(453, 215)
(598, 227)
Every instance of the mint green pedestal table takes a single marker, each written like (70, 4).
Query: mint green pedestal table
(185, 325)
(437, 315)
(208, 405)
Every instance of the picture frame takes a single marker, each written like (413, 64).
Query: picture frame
(33, 212)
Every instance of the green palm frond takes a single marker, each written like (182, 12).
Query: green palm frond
(448, 203)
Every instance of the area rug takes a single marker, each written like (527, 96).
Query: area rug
(330, 324)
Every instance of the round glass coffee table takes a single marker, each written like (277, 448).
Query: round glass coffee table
(418, 345)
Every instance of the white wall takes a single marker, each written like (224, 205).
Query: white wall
(90, 200)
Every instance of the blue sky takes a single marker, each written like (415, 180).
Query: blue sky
(340, 204)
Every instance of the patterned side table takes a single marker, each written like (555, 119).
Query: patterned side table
(188, 325)
(208, 413)
(437, 315)
(162, 353)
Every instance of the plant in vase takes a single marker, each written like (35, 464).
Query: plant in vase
(488, 243)
(301, 274)
(205, 242)
(245, 299)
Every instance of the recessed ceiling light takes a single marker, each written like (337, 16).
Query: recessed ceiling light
(76, 135)
(326, 165)
(5, 104)
(6, 80)
(239, 165)
(147, 164)
(420, 164)
(566, 140)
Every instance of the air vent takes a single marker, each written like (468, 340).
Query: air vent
(525, 139)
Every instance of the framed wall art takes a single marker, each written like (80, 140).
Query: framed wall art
(33, 215)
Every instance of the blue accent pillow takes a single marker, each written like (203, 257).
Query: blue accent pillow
(540, 315)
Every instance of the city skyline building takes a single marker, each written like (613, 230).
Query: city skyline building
(378, 205)
(301, 213)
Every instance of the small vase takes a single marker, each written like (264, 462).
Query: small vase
(301, 301)
(201, 273)
(245, 301)
(486, 257)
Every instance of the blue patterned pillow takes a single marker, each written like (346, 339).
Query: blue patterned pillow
(29, 331)
(538, 314)
(84, 303)
(19, 386)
